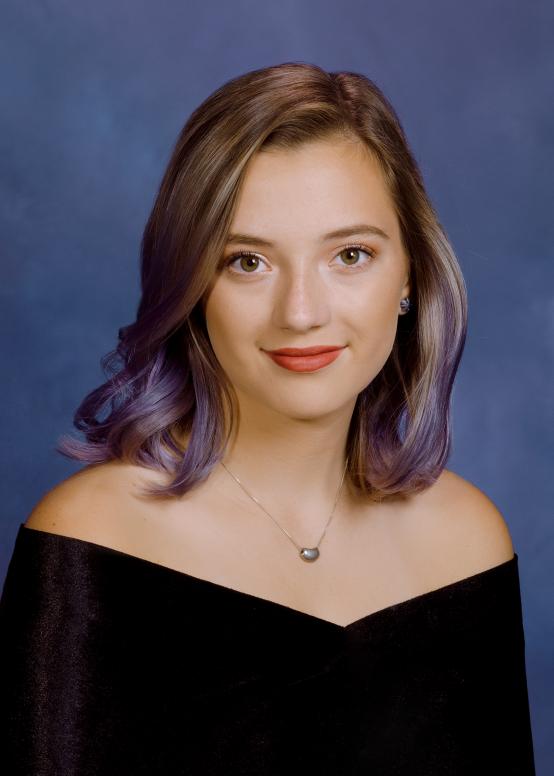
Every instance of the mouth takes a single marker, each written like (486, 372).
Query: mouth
(315, 350)
(305, 359)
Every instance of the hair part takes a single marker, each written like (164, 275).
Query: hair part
(164, 382)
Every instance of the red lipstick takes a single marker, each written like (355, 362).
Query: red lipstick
(305, 359)
(312, 351)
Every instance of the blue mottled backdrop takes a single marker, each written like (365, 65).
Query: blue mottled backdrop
(93, 96)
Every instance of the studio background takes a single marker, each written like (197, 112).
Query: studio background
(93, 97)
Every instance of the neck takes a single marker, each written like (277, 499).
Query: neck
(292, 467)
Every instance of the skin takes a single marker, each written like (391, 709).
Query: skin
(290, 448)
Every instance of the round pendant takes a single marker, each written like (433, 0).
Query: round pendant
(309, 553)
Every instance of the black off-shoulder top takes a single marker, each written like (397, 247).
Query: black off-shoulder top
(112, 665)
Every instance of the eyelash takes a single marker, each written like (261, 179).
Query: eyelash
(354, 268)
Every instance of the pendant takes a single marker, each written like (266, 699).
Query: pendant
(309, 553)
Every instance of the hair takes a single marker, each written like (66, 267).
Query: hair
(164, 381)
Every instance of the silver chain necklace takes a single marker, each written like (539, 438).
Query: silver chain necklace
(306, 553)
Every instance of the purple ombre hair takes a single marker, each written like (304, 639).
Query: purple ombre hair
(164, 383)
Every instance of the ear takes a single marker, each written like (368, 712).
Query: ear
(405, 293)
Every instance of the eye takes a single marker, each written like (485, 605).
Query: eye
(352, 252)
(250, 260)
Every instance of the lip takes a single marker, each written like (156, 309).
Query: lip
(305, 363)
(312, 351)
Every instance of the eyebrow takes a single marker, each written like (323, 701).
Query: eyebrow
(346, 231)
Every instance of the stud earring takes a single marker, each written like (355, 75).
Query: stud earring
(405, 304)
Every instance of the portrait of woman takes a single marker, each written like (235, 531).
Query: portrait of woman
(264, 565)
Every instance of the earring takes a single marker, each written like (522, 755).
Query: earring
(405, 304)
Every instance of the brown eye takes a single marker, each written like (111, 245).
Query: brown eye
(351, 255)
(247, 262)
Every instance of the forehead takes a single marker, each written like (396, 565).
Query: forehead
(314, 187)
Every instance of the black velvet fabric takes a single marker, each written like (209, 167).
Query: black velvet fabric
(111, 664)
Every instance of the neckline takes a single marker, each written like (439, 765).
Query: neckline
(270, 603)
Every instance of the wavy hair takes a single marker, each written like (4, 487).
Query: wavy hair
(164, 382)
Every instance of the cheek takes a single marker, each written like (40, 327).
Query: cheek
(222, 320)
(231, 330)
(375, 325)
(221, 327)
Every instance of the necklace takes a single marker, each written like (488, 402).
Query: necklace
(306, 553)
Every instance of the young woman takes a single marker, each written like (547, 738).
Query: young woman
(264, 566)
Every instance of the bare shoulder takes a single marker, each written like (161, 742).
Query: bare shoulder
(90, 504)
(459, 529)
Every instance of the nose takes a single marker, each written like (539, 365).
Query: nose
(302, 299)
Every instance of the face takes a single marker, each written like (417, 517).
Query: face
(301, 287)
